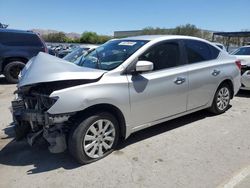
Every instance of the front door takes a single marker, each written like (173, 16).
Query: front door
(162, 92)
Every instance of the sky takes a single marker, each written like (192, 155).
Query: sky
(107, 16)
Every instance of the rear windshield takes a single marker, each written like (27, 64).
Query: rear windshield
(19, 39)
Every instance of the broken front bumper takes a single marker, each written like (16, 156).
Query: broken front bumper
(35, 117)
(21, 114)
(32, 123)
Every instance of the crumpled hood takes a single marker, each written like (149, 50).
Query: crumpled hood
(47, 68)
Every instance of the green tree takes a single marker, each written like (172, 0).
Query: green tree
(89, 37)
(103, 38)
(55, 37)
(188, 29)
(93, 38)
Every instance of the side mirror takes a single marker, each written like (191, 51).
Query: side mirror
(144, 66)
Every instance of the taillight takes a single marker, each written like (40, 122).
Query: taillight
(238, 63)
(46, 49)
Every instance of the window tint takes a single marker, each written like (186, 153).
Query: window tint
(214, 52)
(220, 46)
(19, 39)
(163, 56)
(197, 51)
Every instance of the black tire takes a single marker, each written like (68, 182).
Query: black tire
(78, 132)
(215, 109)
(11, 71)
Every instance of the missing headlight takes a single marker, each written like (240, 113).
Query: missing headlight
(48, 101)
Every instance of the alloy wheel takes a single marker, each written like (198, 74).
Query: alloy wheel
(99, 138)
(223, 98)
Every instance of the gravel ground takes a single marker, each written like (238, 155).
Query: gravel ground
(198, 150)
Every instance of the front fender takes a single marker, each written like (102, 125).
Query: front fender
(81, 97)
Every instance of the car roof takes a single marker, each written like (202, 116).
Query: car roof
(15, 31)
(160, 37)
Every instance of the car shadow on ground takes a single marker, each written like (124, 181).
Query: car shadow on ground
(243, 93)
(9, 132)
(21, 154)
(164, 127)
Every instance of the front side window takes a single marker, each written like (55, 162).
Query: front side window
(197, 51)
(165, 55)
(111, 54)
(242, 51)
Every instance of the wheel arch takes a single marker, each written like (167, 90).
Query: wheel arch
(229, 82)
(104, 107)
(10, 59)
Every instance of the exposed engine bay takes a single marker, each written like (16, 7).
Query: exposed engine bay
(32, 119)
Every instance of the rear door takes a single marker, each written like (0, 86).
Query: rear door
(201, 58)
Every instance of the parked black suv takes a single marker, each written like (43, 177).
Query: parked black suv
(16, 48)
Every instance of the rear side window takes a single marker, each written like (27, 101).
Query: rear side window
(198, 51)
(214, 51)
(19, 39)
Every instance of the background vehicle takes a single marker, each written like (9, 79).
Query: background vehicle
(52, 52)
(63, 52)
(243, 53)
(121, 87)
(16, 48)
(79, 51)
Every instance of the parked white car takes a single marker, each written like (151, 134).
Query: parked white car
(243, 54)
(79, 51)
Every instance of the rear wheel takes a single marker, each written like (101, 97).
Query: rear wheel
(12, 70)
(221, 99)
(94, 138)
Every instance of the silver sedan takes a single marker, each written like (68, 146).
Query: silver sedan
(119, 88)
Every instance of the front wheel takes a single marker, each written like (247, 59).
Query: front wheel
(94, 138)
(221, 100)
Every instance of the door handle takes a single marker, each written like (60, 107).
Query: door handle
(215, 72)
(179, 80)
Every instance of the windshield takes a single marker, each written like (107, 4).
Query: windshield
(242, 51)
(111, 54)
(74, 55)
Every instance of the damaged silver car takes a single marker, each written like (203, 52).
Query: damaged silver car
(119, 88)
